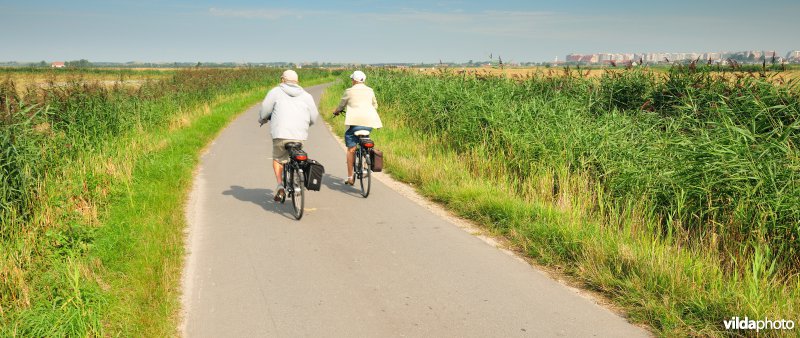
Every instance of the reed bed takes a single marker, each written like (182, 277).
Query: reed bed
(92, 180)
(676, 193)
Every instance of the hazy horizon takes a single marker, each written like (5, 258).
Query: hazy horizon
(361, 31)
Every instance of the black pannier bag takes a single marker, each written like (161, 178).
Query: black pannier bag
(377, 160)
(313, 174)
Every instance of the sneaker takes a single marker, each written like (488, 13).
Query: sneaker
(280, 192)
(350, 181)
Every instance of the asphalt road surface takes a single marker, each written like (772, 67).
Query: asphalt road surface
(384, 266)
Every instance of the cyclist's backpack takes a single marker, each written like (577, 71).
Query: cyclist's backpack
(377, 160)
(313, 172)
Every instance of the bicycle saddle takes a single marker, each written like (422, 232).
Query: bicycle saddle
(293, 145)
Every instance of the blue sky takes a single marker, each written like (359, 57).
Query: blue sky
(385, 31)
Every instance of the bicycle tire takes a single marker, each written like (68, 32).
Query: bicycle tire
(365, 173)
(298, 192)
(357, 164)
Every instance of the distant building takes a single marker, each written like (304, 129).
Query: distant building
(768, 54)
(57, 64)
(746, 56)
(589, 58)
(574, 57)
(712, 56)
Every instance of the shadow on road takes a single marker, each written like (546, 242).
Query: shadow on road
(336, 183)
(262, 198)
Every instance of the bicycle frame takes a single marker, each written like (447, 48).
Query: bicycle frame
(294, 182)
(362, 167)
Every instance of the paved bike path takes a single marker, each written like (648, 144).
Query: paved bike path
(352, 267)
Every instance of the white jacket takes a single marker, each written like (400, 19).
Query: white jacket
(292, 111)
(362, 107)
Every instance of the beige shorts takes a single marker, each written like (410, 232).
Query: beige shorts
(279, 152)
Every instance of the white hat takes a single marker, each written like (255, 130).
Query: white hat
(358, 76)
(289, 75)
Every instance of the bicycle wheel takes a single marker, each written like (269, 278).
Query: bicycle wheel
(298, 191)
(365, 172)
(357, 165)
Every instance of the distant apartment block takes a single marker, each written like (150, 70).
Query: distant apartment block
(590, 58)
(574, 57)
(664, 57)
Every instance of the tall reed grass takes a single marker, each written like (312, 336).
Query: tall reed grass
(710, 158)
(677, 193)
(67, 152)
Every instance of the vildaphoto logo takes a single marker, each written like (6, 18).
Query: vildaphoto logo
(736, 323)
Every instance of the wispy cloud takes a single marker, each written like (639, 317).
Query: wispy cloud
(461, 16)
(494, 23)
(268, 14)
(482, 22)
(420, 16)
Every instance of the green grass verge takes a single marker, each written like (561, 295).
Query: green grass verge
(141, 246)
(117, 268)
(674, 289)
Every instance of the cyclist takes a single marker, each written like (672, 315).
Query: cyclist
(362, 114)
(291, 110)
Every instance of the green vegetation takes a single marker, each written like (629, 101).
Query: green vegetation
(675, 194)
(91, 226)
(84, 72)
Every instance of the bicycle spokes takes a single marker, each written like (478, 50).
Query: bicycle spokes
(298, 192)
(364, 172)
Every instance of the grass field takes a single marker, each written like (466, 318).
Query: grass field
(94, 178)
(32, 79)
(791, 72)
(676, 195)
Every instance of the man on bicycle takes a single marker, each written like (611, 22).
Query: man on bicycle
(291, 110)
(362, 114)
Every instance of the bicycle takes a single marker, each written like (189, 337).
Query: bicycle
(362, 166)
(294, 178)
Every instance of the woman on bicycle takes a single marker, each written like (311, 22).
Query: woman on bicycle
(362, 114)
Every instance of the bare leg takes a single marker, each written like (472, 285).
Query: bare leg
(278, 168)
(351, 158)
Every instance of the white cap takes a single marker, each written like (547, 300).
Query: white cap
(289, 75)
(358, 76)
